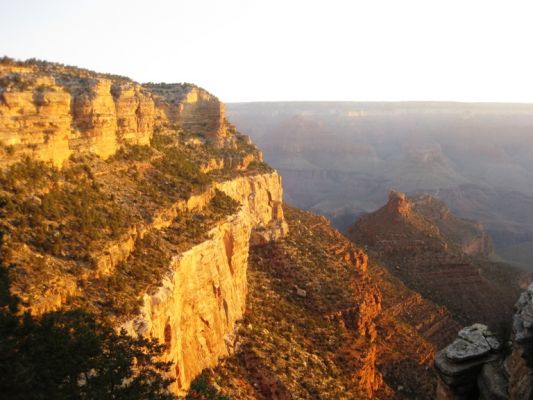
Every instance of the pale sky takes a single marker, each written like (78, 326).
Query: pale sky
(272, 50)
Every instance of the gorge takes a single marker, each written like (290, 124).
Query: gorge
(142, 205)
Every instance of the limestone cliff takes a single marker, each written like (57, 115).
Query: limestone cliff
(137, 203)
(51, 112)
(203, 294)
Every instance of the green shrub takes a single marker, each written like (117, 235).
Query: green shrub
(68, 217)
(135, 152)
(201, 390)
(72, 355)
(223, 204)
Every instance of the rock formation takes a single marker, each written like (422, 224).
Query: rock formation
(178, 194)
(478, 365)
(432, 251)
(202, 296)
(469, 235)
(398, 206)
(51, 112)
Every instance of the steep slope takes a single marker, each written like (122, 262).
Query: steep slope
(324, 322)
(135, 203)
(427, 248)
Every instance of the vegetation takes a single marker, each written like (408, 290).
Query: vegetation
(72, 355)
(120, 294)
(134, 152)
(201, 390)
(67, 217)
(52, 67)
(16, 81)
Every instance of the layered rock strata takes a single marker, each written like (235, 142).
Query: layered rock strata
(51, 112)
(470, 236)
(430, 250)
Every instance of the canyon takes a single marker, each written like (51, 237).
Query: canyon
(143, 206)
(340, 159)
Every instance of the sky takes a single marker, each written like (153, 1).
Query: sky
(284, 50)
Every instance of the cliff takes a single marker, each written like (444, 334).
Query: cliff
(203, 294)
(324, 321)
(51, 112)
(136, 203)
(441, 257)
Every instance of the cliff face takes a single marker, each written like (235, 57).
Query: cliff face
(51, 112)
(137, 203)
(203, 294)
(190, 108)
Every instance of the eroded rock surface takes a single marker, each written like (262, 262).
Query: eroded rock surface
(51, 112)
(478, 366)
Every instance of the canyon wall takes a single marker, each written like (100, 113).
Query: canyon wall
(53, 112)
(195, 310)
(50, 112)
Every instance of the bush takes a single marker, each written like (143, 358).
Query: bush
(134, 152)
(201, 390)
(223, 204)
(68, 217)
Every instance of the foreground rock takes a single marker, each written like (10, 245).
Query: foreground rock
(477, 366)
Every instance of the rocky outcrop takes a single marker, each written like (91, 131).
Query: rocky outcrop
(477, 365)
(398, 205)
(461, 362)
(470, 236)
(51, 112)
(190, 108)
(423, 244)
(195, 310)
